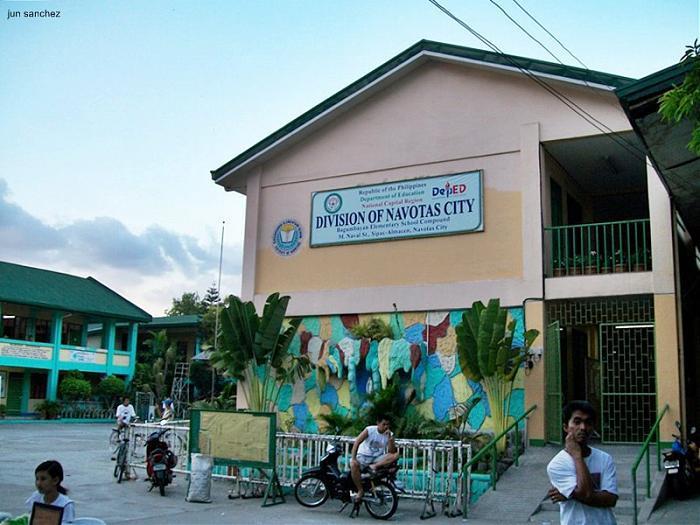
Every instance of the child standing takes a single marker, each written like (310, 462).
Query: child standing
(48, 477)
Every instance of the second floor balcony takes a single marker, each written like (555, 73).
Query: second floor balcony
(598, 248)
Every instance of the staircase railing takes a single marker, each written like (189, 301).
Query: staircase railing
(491, 446)
(644, 451)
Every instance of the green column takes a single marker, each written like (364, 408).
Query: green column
(131, 347)
(56, 329)
(31, 327)
(84, 334)
(197, 344)
(26, 384)
(108, 336)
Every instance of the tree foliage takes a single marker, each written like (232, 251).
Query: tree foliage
(255, 350)
(111, 387)
(75, 388)
(487, 355)
(211, 297)
(188, 304)
(683, 101)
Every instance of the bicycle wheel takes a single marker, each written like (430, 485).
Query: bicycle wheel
(121, 460)
(113, 439)
(381, 500)
(310, 491)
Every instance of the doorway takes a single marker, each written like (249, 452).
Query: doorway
(14, 394)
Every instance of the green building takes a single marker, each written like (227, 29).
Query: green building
(45, 317)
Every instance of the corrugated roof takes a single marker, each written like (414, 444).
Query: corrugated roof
(436, 50)
(60, 291)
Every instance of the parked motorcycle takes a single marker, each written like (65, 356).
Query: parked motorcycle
(325, 481)
(160, 461)
(679, 464)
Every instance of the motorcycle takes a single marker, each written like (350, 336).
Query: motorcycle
(679, 465)
(160, 461)
(325, 481)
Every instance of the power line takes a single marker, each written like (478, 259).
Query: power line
(526, 31)
(590, 119)
(550, 34)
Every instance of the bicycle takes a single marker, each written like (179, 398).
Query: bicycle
(122, 458)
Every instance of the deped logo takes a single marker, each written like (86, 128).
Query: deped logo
(449, 189)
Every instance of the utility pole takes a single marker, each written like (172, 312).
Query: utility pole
(218, 310)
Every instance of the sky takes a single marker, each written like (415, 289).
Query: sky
(113, 113)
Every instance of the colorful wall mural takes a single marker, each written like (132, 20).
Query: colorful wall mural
(423, 352)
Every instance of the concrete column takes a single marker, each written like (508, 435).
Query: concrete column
(31, 327)
(131, 346)
(250, 242)
(84, 334)
(108, 336)
(56, 329)
(26, 392)
(534, 381)
(531, 180)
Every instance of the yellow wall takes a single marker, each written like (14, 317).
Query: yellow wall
(120, 360)
(100, 357)
(495, 253)
(667, 367)
(534, 381)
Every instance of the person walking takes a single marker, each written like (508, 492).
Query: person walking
(583, 478)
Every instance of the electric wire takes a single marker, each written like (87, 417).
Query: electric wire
(550, 34)
(590, 119)
(526, 31)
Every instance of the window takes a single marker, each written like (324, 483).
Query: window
(37, 386)
(42, 332)
(72, 334)
(3, 384)
(14, 327)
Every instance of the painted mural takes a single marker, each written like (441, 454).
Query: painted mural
(423, 352)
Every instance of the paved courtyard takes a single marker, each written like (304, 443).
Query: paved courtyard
(83, 452)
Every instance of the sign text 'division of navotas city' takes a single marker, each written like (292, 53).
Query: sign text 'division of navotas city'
(412, 208)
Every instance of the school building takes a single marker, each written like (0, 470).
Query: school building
(449, 175)
(45, 317)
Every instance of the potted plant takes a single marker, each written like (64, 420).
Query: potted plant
(619, 262)
(592, 260)
(577, 265)
(559, 265)
(641, 261)
(48, 409)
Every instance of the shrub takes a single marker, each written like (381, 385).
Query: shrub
(111, 387)
(3, 410)
(48, 409)
(374, 329)
(73, 389)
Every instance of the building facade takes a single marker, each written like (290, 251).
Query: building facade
(45, 333)
(450, 175)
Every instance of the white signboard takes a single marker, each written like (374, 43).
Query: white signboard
(25, 351)
(413, 208)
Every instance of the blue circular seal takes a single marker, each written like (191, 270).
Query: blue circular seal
(287, 237)
(333, 203)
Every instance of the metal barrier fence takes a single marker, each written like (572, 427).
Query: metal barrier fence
(431, 470)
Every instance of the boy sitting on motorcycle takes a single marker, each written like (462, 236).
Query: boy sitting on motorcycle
(373, 448)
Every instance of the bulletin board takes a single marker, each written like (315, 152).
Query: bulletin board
(246, 439)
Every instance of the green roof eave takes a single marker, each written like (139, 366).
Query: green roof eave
(654, 84)
(424, 46)
(177, 321)
(95, 313)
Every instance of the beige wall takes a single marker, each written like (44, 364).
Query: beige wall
(440, 119)
(668, 374)
(534, 381)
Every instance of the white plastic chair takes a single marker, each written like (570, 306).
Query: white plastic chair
(88, 521)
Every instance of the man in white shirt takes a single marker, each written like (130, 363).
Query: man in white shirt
(583, 478)
(125, 413)
(373, 448)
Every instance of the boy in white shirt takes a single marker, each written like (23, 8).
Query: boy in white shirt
(125, 413)
(583, 478)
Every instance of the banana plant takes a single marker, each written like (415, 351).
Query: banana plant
(255, 350)
(487, 355)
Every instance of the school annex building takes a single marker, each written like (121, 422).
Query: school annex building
(449, 175)
(45, 318)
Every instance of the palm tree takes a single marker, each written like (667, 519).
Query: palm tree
(486, 354)
(255, 350)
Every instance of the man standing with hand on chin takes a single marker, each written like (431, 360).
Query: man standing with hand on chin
(583, 478)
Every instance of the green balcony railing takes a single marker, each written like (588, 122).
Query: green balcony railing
(604, 247)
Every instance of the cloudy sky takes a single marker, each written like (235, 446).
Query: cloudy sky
(113, 114)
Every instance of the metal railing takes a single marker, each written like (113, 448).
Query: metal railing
(491, 448)
(604, 247)
(431, 470)
(644, 451)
